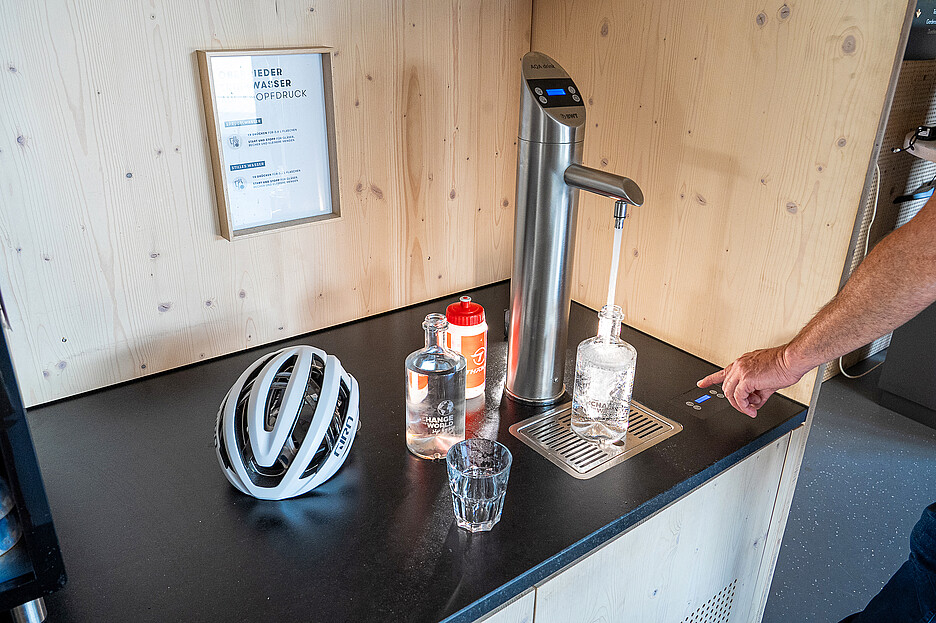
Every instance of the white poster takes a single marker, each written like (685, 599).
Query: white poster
(270, 115)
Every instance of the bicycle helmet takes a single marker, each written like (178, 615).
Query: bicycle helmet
(287, 424)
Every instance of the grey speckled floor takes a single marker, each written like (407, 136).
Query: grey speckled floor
(867, 474)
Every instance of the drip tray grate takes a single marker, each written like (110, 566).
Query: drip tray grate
(551, 435)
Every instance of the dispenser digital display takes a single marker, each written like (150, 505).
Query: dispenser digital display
(555, 92)
(702, 399)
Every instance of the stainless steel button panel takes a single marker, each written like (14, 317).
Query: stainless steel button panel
(551, 435)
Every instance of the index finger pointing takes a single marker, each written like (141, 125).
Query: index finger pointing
(712, 379)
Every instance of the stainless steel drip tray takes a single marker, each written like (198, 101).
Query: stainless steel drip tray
(551, 435)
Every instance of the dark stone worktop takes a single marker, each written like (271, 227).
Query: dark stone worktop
(151, 530)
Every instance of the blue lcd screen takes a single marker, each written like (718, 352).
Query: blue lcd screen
(702, 399)
(555, 91)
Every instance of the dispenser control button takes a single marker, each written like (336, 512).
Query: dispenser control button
(689, 403)
(572, 90)
(577, 98)
(719, 395)
(697, 407)
(538, 91)
(543, 99)
(713, 392)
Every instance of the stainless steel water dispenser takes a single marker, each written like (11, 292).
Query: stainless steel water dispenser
(549, 176)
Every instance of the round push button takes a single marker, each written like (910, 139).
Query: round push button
(572, 90)
(576, 98)
(697, 407)
(542, 99)
(689, 403)
(538, 91)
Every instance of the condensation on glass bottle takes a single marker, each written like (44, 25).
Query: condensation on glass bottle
(435, 394)
(604, 381)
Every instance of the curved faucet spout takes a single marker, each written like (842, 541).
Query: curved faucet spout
(604, 183)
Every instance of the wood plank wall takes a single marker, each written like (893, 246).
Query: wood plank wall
(112, 263)
(749, 127)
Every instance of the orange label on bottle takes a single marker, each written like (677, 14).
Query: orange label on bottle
(474, 349)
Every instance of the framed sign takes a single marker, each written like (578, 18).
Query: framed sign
(271, 127)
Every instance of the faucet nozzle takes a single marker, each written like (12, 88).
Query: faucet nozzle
(620, 213)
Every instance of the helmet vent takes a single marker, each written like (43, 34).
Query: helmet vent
(333, 432)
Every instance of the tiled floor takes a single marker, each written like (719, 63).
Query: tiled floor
(867, 475)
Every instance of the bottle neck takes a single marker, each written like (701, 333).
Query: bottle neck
(436, 326)
(435, 337)
(609, 322)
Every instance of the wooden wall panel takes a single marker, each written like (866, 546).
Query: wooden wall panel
(112, 262)
(749, 127)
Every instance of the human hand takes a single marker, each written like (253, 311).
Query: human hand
(752, 378)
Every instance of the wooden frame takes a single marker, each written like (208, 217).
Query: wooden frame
(214, 125)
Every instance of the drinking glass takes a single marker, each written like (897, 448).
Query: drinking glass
(478, 471)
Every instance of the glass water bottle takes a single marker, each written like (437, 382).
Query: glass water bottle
(435, 394)
(604, 381)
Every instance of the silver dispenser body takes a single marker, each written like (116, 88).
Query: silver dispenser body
(549, 175)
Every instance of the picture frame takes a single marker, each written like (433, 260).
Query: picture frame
(271, 128)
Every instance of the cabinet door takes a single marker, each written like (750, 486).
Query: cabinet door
(696, 561)
(520, 610)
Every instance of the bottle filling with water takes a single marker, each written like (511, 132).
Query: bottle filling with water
(604, 381)
(435, 394)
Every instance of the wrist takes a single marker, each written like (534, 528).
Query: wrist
(794, 361)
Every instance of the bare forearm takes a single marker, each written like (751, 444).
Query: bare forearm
(893, 284)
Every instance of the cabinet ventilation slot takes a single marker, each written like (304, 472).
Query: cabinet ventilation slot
(551, 435)
(715, 610)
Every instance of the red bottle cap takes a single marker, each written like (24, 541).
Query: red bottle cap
(464, 312)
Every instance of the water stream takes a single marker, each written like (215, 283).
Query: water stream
(615, 260)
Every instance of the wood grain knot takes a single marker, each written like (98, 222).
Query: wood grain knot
(849, 44)
(791, 207)
(605, 27)
(842, 142)
(505, 203)
(761, 19)
(164, 307)
(604, 162)
(154, 255)
(452, 194)
(61, 365)
(242, 294)
(701, 200)
(21, 140)
(12, 69)
(784, 12)
(376, 190)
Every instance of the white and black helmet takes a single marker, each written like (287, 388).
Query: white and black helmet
(287, 424)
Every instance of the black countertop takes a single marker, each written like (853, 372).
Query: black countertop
(151, 530)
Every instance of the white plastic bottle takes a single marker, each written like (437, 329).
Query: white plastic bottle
(467, 335)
